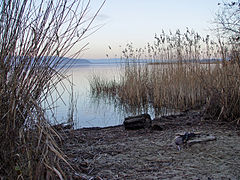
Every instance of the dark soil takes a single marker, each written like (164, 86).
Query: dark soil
(116, 153)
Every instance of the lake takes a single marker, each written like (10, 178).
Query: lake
(88, 111)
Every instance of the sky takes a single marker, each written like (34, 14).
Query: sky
(137, 21)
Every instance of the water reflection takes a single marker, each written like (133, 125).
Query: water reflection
(88, 111)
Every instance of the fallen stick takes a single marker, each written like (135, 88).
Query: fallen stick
(201, 139)
(190, 138)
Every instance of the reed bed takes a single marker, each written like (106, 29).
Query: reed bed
(34, 36)
(197, 76)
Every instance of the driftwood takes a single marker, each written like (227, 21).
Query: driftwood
(190, 138)
(157, 127)
(201, 139)
(183, 133)
(137, 122)
(63, 126)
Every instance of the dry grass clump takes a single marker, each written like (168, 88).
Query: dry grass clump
(168, 86)
(178, 86)
(99, 85)
(223, 93)
(180, 76)
(177, 47)
(34, 35)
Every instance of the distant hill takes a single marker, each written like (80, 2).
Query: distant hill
(86, 62)
(116, 61)
(75, 61)
(105, 61)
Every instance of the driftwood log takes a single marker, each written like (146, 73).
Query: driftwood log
(137, 122)
(202, 139)
(63, 126)
(190, 138)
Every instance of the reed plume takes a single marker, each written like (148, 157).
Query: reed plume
(34, 36)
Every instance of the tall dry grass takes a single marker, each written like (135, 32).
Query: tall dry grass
(182, 73)
(223, 91)
(34, 36)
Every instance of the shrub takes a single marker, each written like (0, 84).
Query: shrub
(34, 36)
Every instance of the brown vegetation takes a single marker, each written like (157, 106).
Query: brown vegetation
(34, 35)
(177, 80)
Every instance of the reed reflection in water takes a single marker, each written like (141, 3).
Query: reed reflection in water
(88, 111)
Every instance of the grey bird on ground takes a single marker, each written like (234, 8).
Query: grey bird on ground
(179, 142)
(182, 139)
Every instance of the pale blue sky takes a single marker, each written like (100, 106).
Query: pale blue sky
(137, 21)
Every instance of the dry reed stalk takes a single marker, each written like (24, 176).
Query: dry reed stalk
(34, 36)
(176, 79)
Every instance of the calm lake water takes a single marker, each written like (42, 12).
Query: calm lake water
(88, 112)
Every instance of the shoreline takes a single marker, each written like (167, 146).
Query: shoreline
(116, 153)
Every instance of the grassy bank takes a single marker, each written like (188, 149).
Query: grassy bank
(176, 79)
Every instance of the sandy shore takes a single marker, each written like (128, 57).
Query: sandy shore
(115, 153)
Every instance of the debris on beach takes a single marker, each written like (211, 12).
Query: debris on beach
(190, 138)
(137, 122)
(63, 126)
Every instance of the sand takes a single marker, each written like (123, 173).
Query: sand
(116, 153)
